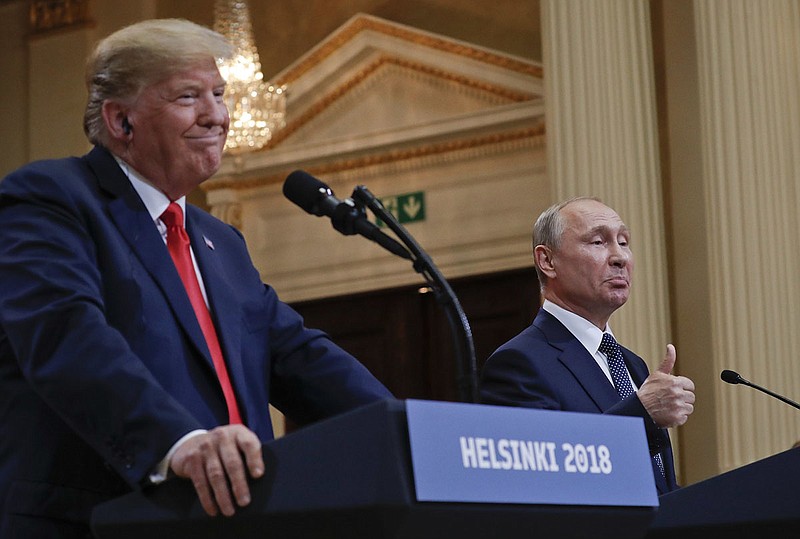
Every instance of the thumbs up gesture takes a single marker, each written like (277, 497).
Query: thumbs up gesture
(667, 398)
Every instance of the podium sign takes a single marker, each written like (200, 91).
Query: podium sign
(352, 476)
(494, 454)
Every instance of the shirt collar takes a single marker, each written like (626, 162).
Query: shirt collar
(154, 200)
(587, 333)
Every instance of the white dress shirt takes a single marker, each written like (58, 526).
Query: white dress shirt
(587, 333)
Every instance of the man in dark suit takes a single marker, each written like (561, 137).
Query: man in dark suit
(562, 362)
(109, 378)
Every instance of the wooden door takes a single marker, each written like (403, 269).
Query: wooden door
(403, 335)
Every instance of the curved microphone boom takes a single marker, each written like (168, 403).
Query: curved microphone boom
(346, 216)
(349, 217)
(733, 377)
(462, 333)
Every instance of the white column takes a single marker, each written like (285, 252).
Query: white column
(749, 83)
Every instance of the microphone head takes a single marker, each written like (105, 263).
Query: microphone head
(307, 192)
(730, 376)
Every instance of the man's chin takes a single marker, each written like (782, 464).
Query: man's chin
(211, 160)
(619, 298)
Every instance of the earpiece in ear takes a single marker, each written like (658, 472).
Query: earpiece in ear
(126, 126)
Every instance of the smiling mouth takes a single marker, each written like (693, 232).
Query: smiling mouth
(206, 136)
(207, 140)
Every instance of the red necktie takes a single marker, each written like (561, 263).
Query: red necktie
(178, 245)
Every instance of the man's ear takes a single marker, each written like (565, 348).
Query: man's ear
(115, 117)
(543, 256)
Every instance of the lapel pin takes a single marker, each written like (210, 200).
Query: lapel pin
(209, 243)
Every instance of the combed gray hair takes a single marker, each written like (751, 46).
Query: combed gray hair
(549, 228)
(144, 53)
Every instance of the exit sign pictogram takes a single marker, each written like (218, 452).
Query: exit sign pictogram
(406, 208)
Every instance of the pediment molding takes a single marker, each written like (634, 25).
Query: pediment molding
(401, 110)
(362, 23)
(377, 81)
(406, 71)
(446, 150)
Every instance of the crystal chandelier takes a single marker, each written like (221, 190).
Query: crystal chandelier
(257, 108)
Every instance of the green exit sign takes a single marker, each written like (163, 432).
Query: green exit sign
(407, 208)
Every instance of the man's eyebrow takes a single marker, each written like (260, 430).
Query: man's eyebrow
(181, 85)
(600, 229)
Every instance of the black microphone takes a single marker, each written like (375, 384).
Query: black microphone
(346, 216)
(733, 378)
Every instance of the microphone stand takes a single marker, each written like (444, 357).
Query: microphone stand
(459, 325)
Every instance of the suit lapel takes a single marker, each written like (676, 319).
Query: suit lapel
(579, 362)
(585, 369)
(135, 225)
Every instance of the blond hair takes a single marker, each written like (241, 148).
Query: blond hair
(139, 55)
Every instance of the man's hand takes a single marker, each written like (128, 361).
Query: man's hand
(214, 462)
(668, 399)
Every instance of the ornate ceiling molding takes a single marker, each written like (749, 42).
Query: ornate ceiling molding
(499, 93)
(455, 149)
(362, 22)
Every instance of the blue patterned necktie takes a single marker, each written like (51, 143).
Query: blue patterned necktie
(619, 374)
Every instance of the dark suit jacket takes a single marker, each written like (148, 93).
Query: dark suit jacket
(103, 365)
(545, 366)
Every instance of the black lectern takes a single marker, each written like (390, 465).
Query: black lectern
(351, 476)
(761, 499)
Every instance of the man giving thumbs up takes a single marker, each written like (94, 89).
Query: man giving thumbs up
(568, 358)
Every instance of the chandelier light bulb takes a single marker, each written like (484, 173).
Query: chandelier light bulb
(257, 108)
